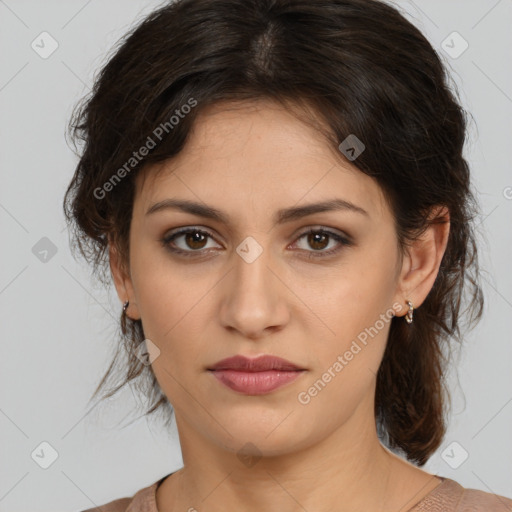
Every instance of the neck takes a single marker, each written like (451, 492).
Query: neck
(347, 470)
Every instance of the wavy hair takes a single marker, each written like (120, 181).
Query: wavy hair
(358, 66)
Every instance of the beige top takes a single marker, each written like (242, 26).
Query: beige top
(448, 496)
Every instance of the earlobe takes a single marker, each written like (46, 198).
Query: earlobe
(423, 259)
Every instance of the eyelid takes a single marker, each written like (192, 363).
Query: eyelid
(173, 234)
(342, 238)
(326, 229)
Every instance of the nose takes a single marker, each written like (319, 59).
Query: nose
(254, 297)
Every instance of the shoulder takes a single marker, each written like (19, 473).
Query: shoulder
(144, 500)
(451, 496)
(475, 500)
(119, 505)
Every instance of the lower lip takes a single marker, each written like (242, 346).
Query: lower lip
(255, 383)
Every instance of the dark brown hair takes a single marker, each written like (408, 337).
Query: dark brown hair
(360, 67)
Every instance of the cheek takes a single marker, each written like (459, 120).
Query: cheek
(355, 314)
(350, 298)
(345, 365)
(165, 291)
(172, 306)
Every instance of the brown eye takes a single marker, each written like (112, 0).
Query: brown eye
(191, 241)
(320, 239)
(195, 239)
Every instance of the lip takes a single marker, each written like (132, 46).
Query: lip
(256, 383)
(255, 376)
(258, 364)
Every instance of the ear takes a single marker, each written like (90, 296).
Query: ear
(421, 263)
(123, 282)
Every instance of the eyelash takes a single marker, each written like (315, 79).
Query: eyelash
(166, 240)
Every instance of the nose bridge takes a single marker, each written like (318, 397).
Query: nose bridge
(253, 301)
(252, 276)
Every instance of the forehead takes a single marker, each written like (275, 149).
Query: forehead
(258, 153)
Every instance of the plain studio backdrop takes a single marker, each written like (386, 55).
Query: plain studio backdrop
(58, 326)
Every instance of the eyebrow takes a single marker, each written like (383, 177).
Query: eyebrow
(281, 217)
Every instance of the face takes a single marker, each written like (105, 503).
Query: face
(255, 282)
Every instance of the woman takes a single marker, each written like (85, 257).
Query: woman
(279, 192)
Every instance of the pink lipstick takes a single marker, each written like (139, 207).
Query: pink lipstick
(255, 376)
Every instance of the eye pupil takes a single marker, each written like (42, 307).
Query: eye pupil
(315, 238)
(195, 237)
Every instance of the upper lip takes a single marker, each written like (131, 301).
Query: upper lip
(259, 364)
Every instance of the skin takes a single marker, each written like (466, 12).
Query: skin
(249, 162)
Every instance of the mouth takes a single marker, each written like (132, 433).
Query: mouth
(255, 376)
(258, 364)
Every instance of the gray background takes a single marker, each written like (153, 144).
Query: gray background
(58, 325)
